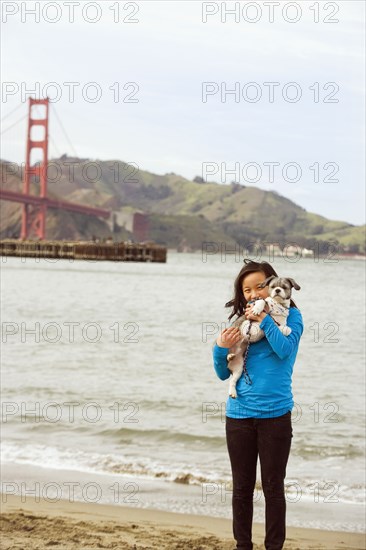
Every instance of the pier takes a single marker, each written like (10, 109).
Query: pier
(84, 250)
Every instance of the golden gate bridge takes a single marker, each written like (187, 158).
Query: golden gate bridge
(34, 210)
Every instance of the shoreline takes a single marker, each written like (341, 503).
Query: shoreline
(210, 500)
(271, 257)
(76, 524)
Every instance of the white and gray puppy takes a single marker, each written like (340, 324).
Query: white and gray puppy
(277, 306)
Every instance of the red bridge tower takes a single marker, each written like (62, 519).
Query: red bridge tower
(34, 216)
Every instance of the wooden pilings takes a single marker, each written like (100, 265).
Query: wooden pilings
(84, 250)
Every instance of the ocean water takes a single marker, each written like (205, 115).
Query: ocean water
(107, 381)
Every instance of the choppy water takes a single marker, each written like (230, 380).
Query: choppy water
(107, 369)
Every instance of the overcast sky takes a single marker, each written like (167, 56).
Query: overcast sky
(161, 70)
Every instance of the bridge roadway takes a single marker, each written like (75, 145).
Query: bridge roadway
(53, 203)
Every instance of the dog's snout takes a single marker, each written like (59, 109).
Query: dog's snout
(278, 290)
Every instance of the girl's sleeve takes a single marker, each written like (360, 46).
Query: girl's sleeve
(220, 362)
(282, 345)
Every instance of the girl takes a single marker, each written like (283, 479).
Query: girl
(258, 421)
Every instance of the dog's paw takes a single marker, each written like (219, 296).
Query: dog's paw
(286, 331)
(230, 356)
(258, 307)
(232, 393)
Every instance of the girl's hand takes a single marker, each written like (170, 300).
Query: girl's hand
(229, 337)
(249, 315)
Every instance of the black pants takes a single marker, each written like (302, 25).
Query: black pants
(270, 438)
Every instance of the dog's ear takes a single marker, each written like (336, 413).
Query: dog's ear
(293, 283)
(267, 281)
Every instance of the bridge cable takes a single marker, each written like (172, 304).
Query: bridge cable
(64, 131)
(11, 112)
(15, 123)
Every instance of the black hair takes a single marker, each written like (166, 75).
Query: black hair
(238, 303)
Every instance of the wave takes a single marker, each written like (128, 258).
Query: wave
(123, 435)
(144, 467)
(301, 447)
(305, 450)
(64, 458)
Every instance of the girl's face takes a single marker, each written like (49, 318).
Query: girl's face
(250, 286)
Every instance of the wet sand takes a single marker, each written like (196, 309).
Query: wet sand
(32, 525)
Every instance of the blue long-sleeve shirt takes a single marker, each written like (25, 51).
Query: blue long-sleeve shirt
(270, 365)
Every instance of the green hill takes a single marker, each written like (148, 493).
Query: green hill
(179, 209)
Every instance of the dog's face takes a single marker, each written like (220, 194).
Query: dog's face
(279, 288)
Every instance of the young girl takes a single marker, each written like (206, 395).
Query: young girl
(258, 421)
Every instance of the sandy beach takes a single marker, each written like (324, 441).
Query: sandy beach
(67, 525)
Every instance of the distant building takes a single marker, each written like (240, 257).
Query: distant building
(140, 227)
(289, 251)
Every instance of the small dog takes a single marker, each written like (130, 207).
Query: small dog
(277, 306)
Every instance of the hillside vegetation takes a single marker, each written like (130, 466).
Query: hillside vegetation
(180, 210)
